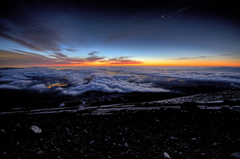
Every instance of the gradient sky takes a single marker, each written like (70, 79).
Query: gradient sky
(93, 32)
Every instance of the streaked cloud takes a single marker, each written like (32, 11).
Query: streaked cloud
(92, 53)
(71, 50)
(226, 55)
(36, 37)
(59, 55)
(23, 58)
(21, 42)
(121, 61)
(190, 58)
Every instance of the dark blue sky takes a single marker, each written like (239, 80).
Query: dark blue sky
(90, 32)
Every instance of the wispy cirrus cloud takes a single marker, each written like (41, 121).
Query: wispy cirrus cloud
(93, 58)
(22, 58)
(59, 55)
(21, 42)
(190, 58)
(72, 50)
(123, 60)
(30, 33)
(178, 12)
(29, 53)
(92, 53)
(226, 55)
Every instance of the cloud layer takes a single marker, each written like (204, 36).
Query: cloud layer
(77, 81)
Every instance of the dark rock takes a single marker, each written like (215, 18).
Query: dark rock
(174, 138)
(67, 129)
(235, 155)
(39, 152)
(191, 106)
(225, 109)
(227, 101)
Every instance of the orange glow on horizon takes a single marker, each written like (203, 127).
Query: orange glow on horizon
(179, 63)
(210, 63)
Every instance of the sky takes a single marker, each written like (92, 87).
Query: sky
(119, 33)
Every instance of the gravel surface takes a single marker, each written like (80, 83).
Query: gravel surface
(124, 134)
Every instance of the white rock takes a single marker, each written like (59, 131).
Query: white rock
(36, 129)
(61, 105)
(166, 155)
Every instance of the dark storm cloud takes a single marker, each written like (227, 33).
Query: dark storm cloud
(92, 53)
(121, 36)
(189, 58)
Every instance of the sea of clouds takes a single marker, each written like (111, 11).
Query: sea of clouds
(110, 79)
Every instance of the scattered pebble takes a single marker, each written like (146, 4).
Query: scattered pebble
(194, 139)
(174, 138)
(40, 152)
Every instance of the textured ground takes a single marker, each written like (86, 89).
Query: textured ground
(123, 134)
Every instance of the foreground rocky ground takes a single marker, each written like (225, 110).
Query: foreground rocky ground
(123, 134)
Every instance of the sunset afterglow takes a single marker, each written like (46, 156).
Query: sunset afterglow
(74, 34)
